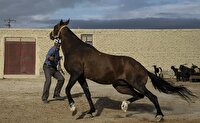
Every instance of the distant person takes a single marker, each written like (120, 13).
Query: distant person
(177, 73)
(50, 69)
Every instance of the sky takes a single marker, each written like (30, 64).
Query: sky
(46, 13)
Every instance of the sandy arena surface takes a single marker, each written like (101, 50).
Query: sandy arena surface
(20, 102)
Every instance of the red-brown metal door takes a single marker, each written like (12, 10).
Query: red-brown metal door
(27, 58)
(12, 58)
(19, 58)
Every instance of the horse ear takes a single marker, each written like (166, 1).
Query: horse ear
(61, 22)
(67, 22)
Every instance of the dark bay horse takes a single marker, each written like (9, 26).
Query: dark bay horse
(125, 74)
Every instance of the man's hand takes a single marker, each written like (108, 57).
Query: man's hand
(51, 58)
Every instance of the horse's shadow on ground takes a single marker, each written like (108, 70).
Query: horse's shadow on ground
(134, 108)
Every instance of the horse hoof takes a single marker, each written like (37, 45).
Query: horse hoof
(124, 106)
(73, 110)
(159, 118)
(95, 113)
(88, 116)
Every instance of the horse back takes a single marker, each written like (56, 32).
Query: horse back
(103, 68)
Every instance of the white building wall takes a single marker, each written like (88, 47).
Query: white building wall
(161, 47)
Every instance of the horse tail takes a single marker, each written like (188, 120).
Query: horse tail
(170, 88)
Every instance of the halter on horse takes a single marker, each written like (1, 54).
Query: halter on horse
(125, 74)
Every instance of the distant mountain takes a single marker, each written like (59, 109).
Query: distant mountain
(147, 23)
(140, 23)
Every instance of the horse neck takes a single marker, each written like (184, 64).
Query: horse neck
(69, 41)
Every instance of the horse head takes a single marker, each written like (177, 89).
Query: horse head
(194, 66)
(154, 66)
(172, 67)
(57, 29)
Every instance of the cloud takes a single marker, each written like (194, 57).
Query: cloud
(152, 9)
(33, 12)
(98, 9)
(19, 8)
(28, 11)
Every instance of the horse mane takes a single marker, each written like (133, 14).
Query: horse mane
(79, 40)
(73, 35)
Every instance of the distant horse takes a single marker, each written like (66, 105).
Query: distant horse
(186, 72)
(125, 74)
(195, 73)
(158, 71)
(195, 69)
(177, 73)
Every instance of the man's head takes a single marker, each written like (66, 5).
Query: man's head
(57, 42)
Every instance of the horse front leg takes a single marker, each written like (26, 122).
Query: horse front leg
(72, 81)
(84, 85)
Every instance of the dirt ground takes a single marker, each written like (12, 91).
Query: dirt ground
(20, 102)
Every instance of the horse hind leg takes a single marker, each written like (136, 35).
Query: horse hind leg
(123, 88)
(136, 96)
